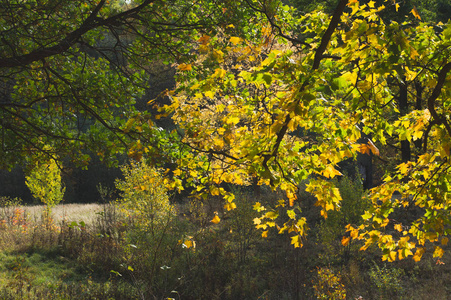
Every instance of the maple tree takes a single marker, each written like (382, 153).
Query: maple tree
(278, 110)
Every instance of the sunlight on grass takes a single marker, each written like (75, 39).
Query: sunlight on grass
(67, 212)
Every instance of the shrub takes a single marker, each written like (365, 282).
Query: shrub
(8, 211)
(144, 197)
(152, 235)
(387, 281)
(328, 285)
(331, 230)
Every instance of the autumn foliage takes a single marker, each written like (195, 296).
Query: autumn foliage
(270, 110)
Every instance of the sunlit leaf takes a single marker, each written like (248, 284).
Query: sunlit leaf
(415, 13)
(345, 240)
(438, 252)
(235, 40)
(185, 67)
(216, 219)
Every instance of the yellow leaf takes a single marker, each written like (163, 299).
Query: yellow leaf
(350, 76)
(203, 48)
(291, 197)
(177, 172)
(185, 67)
(219, 73)
(265, 234)
(397, 7)
(392, 256)
(431, 236)
(214, 191)
(345, 240)
(398, 227)
(281, 203)
(204, 39)
(195, 87)
(417, 135)
(296, 241)
(404, 253)
(232, 120)
(354, 233)
(438, 252)
(235, 40)
(188, 244)
(193, 173)
(216, 220)
(444, 241)
(331, 172)
(418, 254)
(413, 54)
(415, 13)
(371, 4)
(403, 168)
(230, 206)
(238, 180)
(364, 149)
(218, 55)
(258, 207)
(229, 197)
(275, 128)
(272, 215)
(209, 94)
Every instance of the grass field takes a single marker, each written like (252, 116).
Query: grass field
(91, 251)
(44, 260)
(67, 212)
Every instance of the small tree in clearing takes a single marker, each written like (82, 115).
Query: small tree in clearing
(45, 184)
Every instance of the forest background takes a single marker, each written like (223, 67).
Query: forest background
(278, 149)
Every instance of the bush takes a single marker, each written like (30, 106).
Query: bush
(387, 281)
(144, 197)
(331, 230)
(8, 211)
(152, 235)
(328, 285)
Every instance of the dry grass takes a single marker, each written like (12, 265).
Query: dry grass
(66, 212)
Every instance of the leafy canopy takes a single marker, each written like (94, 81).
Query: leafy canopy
(286, 110)
(266, 95)
(71, 71)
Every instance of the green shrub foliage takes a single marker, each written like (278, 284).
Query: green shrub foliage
(144, 197)
(45, 183)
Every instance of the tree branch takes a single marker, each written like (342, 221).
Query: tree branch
(92, 22)
(328, 34)
(318, 56)
(435, 94)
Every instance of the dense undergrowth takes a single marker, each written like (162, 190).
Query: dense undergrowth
(143, 247)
